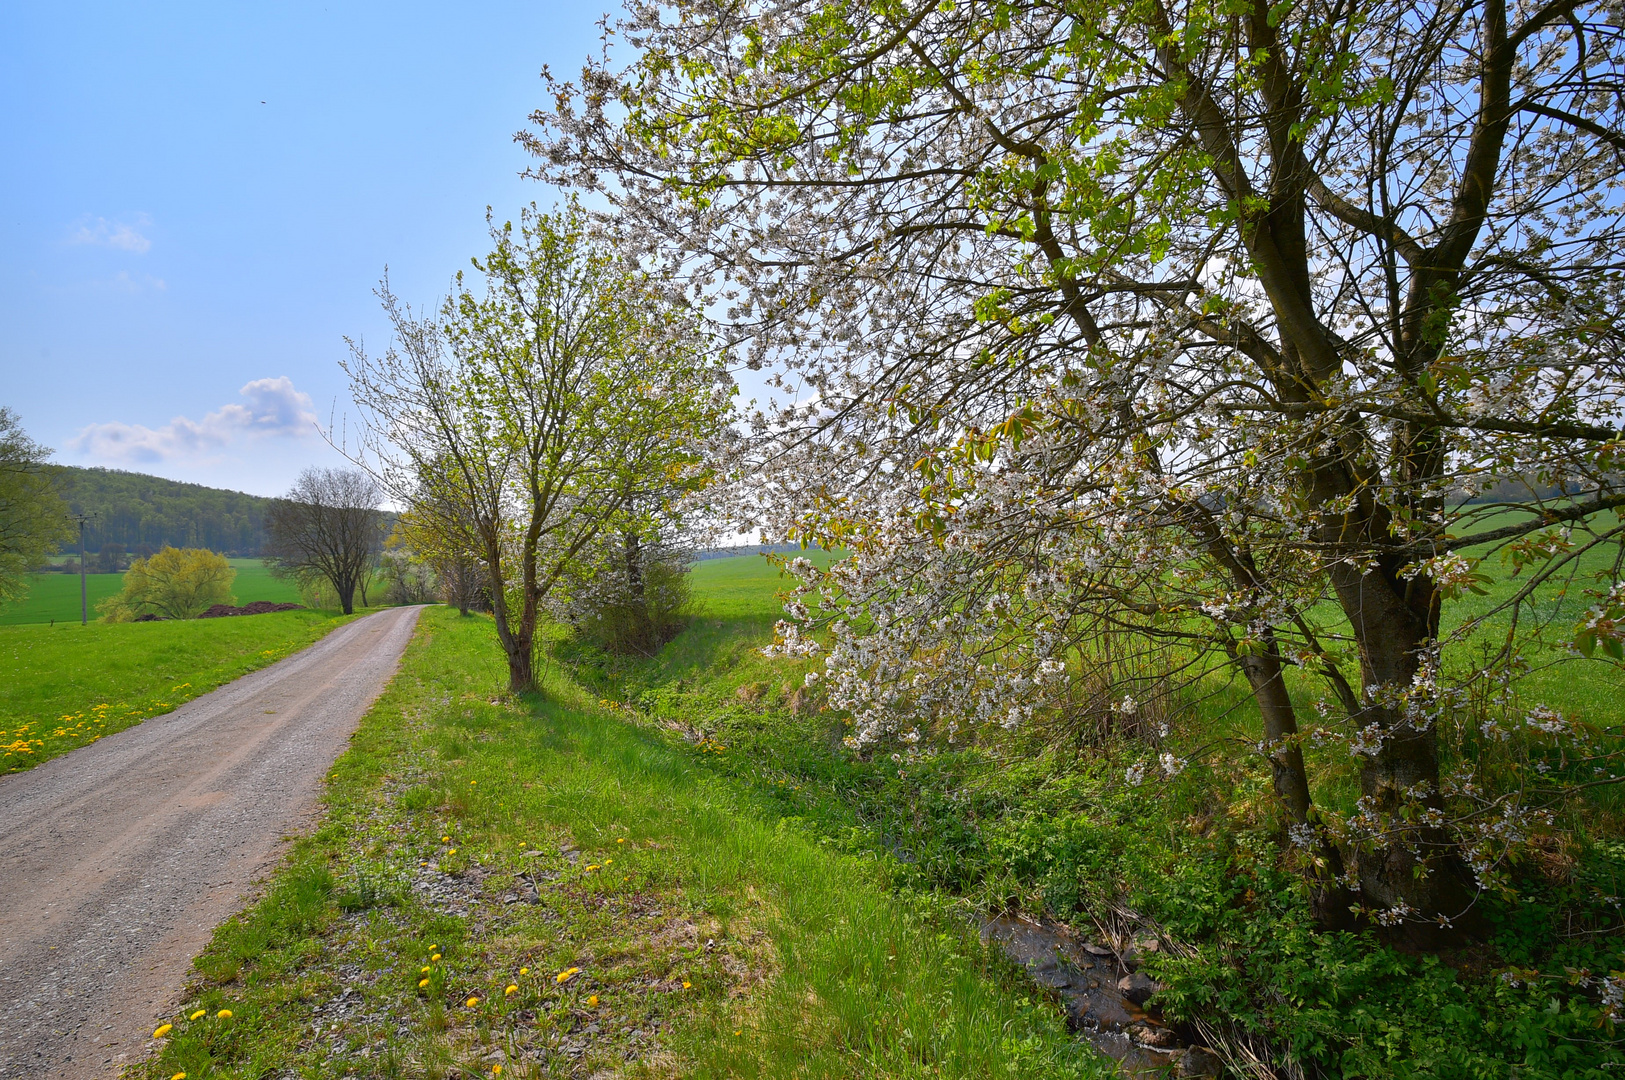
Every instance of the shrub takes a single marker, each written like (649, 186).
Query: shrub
(177, 583)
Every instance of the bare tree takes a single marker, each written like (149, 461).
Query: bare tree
(327, 526)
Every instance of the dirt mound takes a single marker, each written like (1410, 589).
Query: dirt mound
(258, 607)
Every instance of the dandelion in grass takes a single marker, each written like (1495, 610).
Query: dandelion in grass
(592, 1001)
(200, 1014)
(423, 970)
(524, 971)
(422, 983)
(435, 959)
(566, 975)
(178, 1076)
(620, 839)
(687, 984)
(453, 851)
(223, 1014)
(473, 1001)
(509, 990)
(163, 1029)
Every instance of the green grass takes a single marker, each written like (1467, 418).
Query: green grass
(713, 936)
(55, 597)
(64, 686)
(744, 586)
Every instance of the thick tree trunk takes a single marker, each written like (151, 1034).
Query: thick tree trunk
(1412, 868)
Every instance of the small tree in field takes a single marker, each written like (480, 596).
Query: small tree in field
(520, 418)
(327, 527)
(176, 583)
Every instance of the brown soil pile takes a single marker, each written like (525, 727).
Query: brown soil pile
(258, 607)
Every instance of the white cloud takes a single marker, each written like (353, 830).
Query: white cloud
(114, 234)
(274, 408)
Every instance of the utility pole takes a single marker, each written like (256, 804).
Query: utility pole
(84, 600)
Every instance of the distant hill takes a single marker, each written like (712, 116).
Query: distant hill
(138, 510)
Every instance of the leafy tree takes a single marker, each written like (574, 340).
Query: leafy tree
(110, 560)
(327, 527)
(531, 404)
(177, 583)
(1189, 319)
(33, 519)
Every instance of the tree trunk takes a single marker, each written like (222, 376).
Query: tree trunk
(634, 565)
(1330, 900)
(1413, 867)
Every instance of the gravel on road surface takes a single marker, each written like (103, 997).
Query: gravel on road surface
(118, 860)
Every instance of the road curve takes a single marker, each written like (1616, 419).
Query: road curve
(119, 859)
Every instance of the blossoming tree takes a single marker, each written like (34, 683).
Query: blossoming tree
(1197, 320)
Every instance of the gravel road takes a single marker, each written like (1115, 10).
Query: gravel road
(119, 859)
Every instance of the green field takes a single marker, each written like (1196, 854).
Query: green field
(695, 932)
(66, 685)
(55, 597)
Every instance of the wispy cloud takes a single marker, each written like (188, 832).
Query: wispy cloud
(122, 235)
(273, 408)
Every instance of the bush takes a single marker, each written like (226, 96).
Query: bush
(176, 583)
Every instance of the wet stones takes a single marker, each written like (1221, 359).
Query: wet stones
(1106, 1000)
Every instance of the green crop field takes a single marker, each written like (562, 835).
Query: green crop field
(55, 597)
(66, 685)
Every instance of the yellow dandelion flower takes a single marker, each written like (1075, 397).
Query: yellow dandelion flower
(200, 1014)
(471, 783)
(223, 1014)
(509, 990)
(473, 1001)
(453, 851)
(687, 984)
(435, 959)
(423, 970)
(422, 983)
(593, 1001)
(178, 1076)
(163, 1029)
(524, 971)
(566, 975)
(496, 1070)
(591, 867)
(739, 1033)
(445, 839)
(620, 840)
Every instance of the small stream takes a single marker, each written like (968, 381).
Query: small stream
(1086, 975)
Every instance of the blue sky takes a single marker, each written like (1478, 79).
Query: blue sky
(196, 201)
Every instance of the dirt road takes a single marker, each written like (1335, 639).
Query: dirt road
(118, 860)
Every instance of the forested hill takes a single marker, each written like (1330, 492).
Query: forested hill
(138, 510)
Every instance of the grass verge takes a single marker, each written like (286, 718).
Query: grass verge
(546, 888)
(64, 686)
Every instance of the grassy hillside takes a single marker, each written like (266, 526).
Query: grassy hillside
(64, 686)
(56, 596)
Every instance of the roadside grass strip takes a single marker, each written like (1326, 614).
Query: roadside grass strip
(546, 888)
(65, 686)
